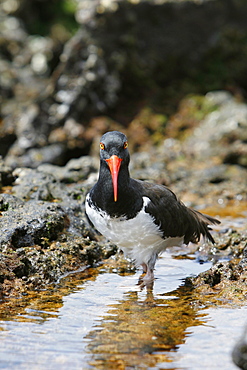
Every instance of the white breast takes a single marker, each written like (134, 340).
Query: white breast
(139, 237)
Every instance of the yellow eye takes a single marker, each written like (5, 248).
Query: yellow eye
(102, 146)
(125, 145)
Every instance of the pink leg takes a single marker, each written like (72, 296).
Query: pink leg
(144, 267)
(149, 277)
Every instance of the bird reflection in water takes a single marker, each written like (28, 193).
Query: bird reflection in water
(143, 329)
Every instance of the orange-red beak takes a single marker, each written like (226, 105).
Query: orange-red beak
(114, 163)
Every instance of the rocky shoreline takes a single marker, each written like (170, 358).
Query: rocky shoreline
(178, 92)
(45, 233)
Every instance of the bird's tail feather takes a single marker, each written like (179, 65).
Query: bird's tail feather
(203, 223)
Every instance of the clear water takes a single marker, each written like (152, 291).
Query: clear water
(98, 319)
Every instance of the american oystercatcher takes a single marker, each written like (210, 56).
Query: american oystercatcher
(141, 218)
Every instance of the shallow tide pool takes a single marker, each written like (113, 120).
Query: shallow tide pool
(100, 319)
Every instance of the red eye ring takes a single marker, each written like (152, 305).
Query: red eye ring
(102, 146)
(125, 145)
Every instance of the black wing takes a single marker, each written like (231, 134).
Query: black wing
(173, 217)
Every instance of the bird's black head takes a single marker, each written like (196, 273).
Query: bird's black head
(113, 155)
(114, 143)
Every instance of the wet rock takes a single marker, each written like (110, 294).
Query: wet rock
(225, 281)
(32, 184)
(63, 256)
(29, 223)
(219, 272)
(38, 185)
(12, 267)
(28, 268)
